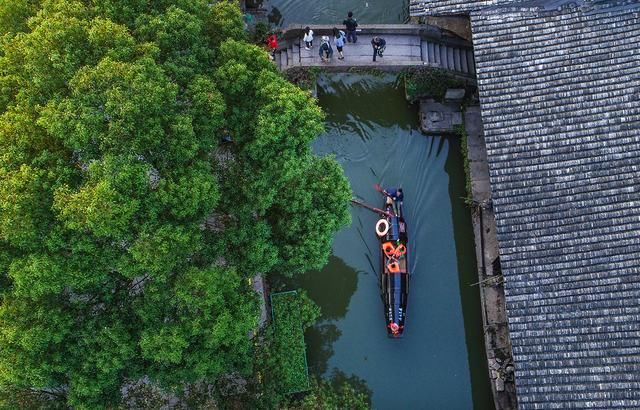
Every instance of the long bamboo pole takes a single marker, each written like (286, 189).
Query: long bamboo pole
(371, 208)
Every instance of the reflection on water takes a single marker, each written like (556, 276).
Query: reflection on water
(335, 11)
(320, 339)
(331, 288)
(373, 133)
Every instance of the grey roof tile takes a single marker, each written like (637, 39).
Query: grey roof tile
(560, 96)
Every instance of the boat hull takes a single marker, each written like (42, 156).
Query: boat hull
(394, 268)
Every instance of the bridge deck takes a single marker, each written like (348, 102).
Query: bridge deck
(399, 48)
(407, 45)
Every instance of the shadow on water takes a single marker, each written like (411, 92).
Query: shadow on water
(467, 268)
(331, 289)
(320, 339)
(339, 378)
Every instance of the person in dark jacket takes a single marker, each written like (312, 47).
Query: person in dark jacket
(325, 49)
(379, 45)
(351, 24)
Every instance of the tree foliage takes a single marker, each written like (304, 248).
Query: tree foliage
(337, 392)
(292, 313)
(429, 82)
(111, 176)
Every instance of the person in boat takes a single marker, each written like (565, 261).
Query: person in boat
(394, 198)
(394, 193)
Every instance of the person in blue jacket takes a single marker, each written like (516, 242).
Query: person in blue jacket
(338, 40)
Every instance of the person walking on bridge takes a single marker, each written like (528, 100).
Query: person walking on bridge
(338, 40)
(272, 45)
(379, 45)
(308, 38)
(351, 24)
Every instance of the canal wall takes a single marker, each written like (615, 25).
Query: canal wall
(445, 118)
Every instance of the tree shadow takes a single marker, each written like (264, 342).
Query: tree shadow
(330, 288)
(339, 378)
(320, 339)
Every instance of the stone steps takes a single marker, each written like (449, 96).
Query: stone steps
(448, 58)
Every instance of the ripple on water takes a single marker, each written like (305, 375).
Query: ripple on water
(374, 134)
(335, 11)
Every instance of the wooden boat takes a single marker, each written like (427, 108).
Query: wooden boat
(394, 261)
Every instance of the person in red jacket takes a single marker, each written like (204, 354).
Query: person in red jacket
(272, 45)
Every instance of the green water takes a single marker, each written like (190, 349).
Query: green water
(439, 364)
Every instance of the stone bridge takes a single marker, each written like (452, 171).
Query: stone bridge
(408, 45)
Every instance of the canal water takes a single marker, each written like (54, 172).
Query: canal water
(439, 364)
(373, 132)
(286, 12)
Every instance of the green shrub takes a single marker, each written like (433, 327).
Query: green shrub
(303, 77)
(429, 82)
(260, 31)
(337, 392)
(292, 313)
(464, 148)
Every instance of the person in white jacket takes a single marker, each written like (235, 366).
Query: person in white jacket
(308, 38)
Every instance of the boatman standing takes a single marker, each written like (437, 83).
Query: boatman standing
(394, 197)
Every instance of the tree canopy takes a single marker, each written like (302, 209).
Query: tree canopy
(128, 227)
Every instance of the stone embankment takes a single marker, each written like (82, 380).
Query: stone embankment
(444, 118)
(490, 279)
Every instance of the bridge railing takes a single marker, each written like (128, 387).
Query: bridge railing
(424, 31)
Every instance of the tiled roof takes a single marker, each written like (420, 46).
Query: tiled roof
(457, 7)
(560, 97)
(444, 7)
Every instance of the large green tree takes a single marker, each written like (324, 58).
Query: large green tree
(127, 229)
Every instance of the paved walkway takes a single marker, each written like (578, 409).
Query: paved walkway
(407, 45)
(400, 49)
